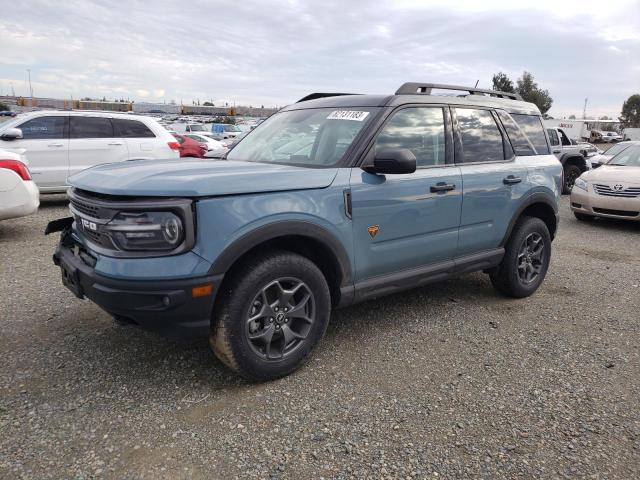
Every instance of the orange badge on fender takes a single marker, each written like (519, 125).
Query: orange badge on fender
(373, 230)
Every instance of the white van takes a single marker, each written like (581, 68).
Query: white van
(59, 144)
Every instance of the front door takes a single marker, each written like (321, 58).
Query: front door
(46, 144)
(402, 222)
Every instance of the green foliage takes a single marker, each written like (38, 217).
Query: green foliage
(4, 107)
(208, 104)
(572, 117)
(630, 115)
(503, 83)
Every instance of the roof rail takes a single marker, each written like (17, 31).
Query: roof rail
(415, 88)
(313, 96)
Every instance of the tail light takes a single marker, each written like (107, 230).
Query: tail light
(174, 146)
(18, 167)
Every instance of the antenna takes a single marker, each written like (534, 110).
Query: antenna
(476, 85)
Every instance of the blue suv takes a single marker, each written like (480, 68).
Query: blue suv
(335, 199)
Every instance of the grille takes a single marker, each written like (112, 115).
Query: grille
(620, 213)
(606, 190)
(85, 208)
(95, 237)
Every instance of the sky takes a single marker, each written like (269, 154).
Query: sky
(273, 52)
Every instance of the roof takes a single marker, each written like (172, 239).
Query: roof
(420, 93)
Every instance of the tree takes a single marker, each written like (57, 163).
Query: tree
(604, 117)
(529, 91)
(630, 115)
(208, 104)
(503, 83)
(4, 107)
(572, 117)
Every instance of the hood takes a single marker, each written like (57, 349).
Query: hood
(600, 158)
(198, 178)
(607, 173)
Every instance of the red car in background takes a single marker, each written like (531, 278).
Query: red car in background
(189, 147)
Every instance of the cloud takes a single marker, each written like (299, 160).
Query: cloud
(275, 52)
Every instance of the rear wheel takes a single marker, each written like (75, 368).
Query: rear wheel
(275, 308)
(571, 173)
(583, 217)
(526, 259)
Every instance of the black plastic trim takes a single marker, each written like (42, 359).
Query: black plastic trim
(283, 228)
(538, 197)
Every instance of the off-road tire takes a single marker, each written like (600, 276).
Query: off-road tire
(505, 277)
(228, 338)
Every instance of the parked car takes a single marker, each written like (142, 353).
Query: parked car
(199, 128)
(223, 131)
(19, 196)
(572, 157)
(395, 192)
(59, 144)
(598, 136)
(214, 146)
(613, 190)
(190, 147)
(604, 157)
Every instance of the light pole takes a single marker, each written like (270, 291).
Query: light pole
(30, 88)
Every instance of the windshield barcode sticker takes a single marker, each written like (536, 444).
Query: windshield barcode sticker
(347, 115)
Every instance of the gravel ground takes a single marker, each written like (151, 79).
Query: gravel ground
(450, 380)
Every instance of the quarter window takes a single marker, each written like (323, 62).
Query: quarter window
(553, 137)
(419, 129)
(90, 127)
(531, 125)
(481, 137)
(519, 141)
(133, 129)
(43, 128)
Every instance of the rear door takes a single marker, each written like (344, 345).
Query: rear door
(93, 141)
(46, 141)
(402, 222)
(493, 181)
(141, 142)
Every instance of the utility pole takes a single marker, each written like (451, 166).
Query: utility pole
(13, 92)
(584, 111)
(30, 88)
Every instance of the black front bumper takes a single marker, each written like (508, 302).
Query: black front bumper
(165, 306)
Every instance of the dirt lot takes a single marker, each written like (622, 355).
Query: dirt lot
(448, 381)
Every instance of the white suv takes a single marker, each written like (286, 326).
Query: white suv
(60, 144)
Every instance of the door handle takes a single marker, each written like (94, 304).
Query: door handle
(511, 180)
(557, 151)
(114, 143)
(55, 145)
(442, 187)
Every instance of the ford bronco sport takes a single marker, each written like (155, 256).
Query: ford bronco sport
(335, 199)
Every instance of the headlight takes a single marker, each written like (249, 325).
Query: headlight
(580, 183)
(146, 230)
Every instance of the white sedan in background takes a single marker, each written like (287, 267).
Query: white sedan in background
(19, 195)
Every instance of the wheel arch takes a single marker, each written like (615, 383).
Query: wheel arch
(577, 160)
(540, 205)
(304, 238)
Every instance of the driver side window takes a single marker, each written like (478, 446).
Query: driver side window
(419, 129)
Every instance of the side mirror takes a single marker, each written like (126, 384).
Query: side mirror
(393, 161)
(11, 134)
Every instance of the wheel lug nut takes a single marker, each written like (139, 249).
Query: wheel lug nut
(286, 320)
(271, 320)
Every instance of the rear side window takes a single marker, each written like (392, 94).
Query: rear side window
(421, 130)
(43, 128)
(133, 129)
(532, 127)
(90, 127)
(553, 137)
(481, 137)
(519, 141)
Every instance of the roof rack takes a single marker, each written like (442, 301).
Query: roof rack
(415, 88)
(313, 96)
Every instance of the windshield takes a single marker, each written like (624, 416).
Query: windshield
(199, 128)
(616, 149)
(314, 137)
(231, 128)
(629, 157)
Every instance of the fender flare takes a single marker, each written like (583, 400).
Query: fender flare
(283, 228)
(537, 197)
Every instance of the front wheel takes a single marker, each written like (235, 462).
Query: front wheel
(571, 173)
(273, 311)
(526, 259)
